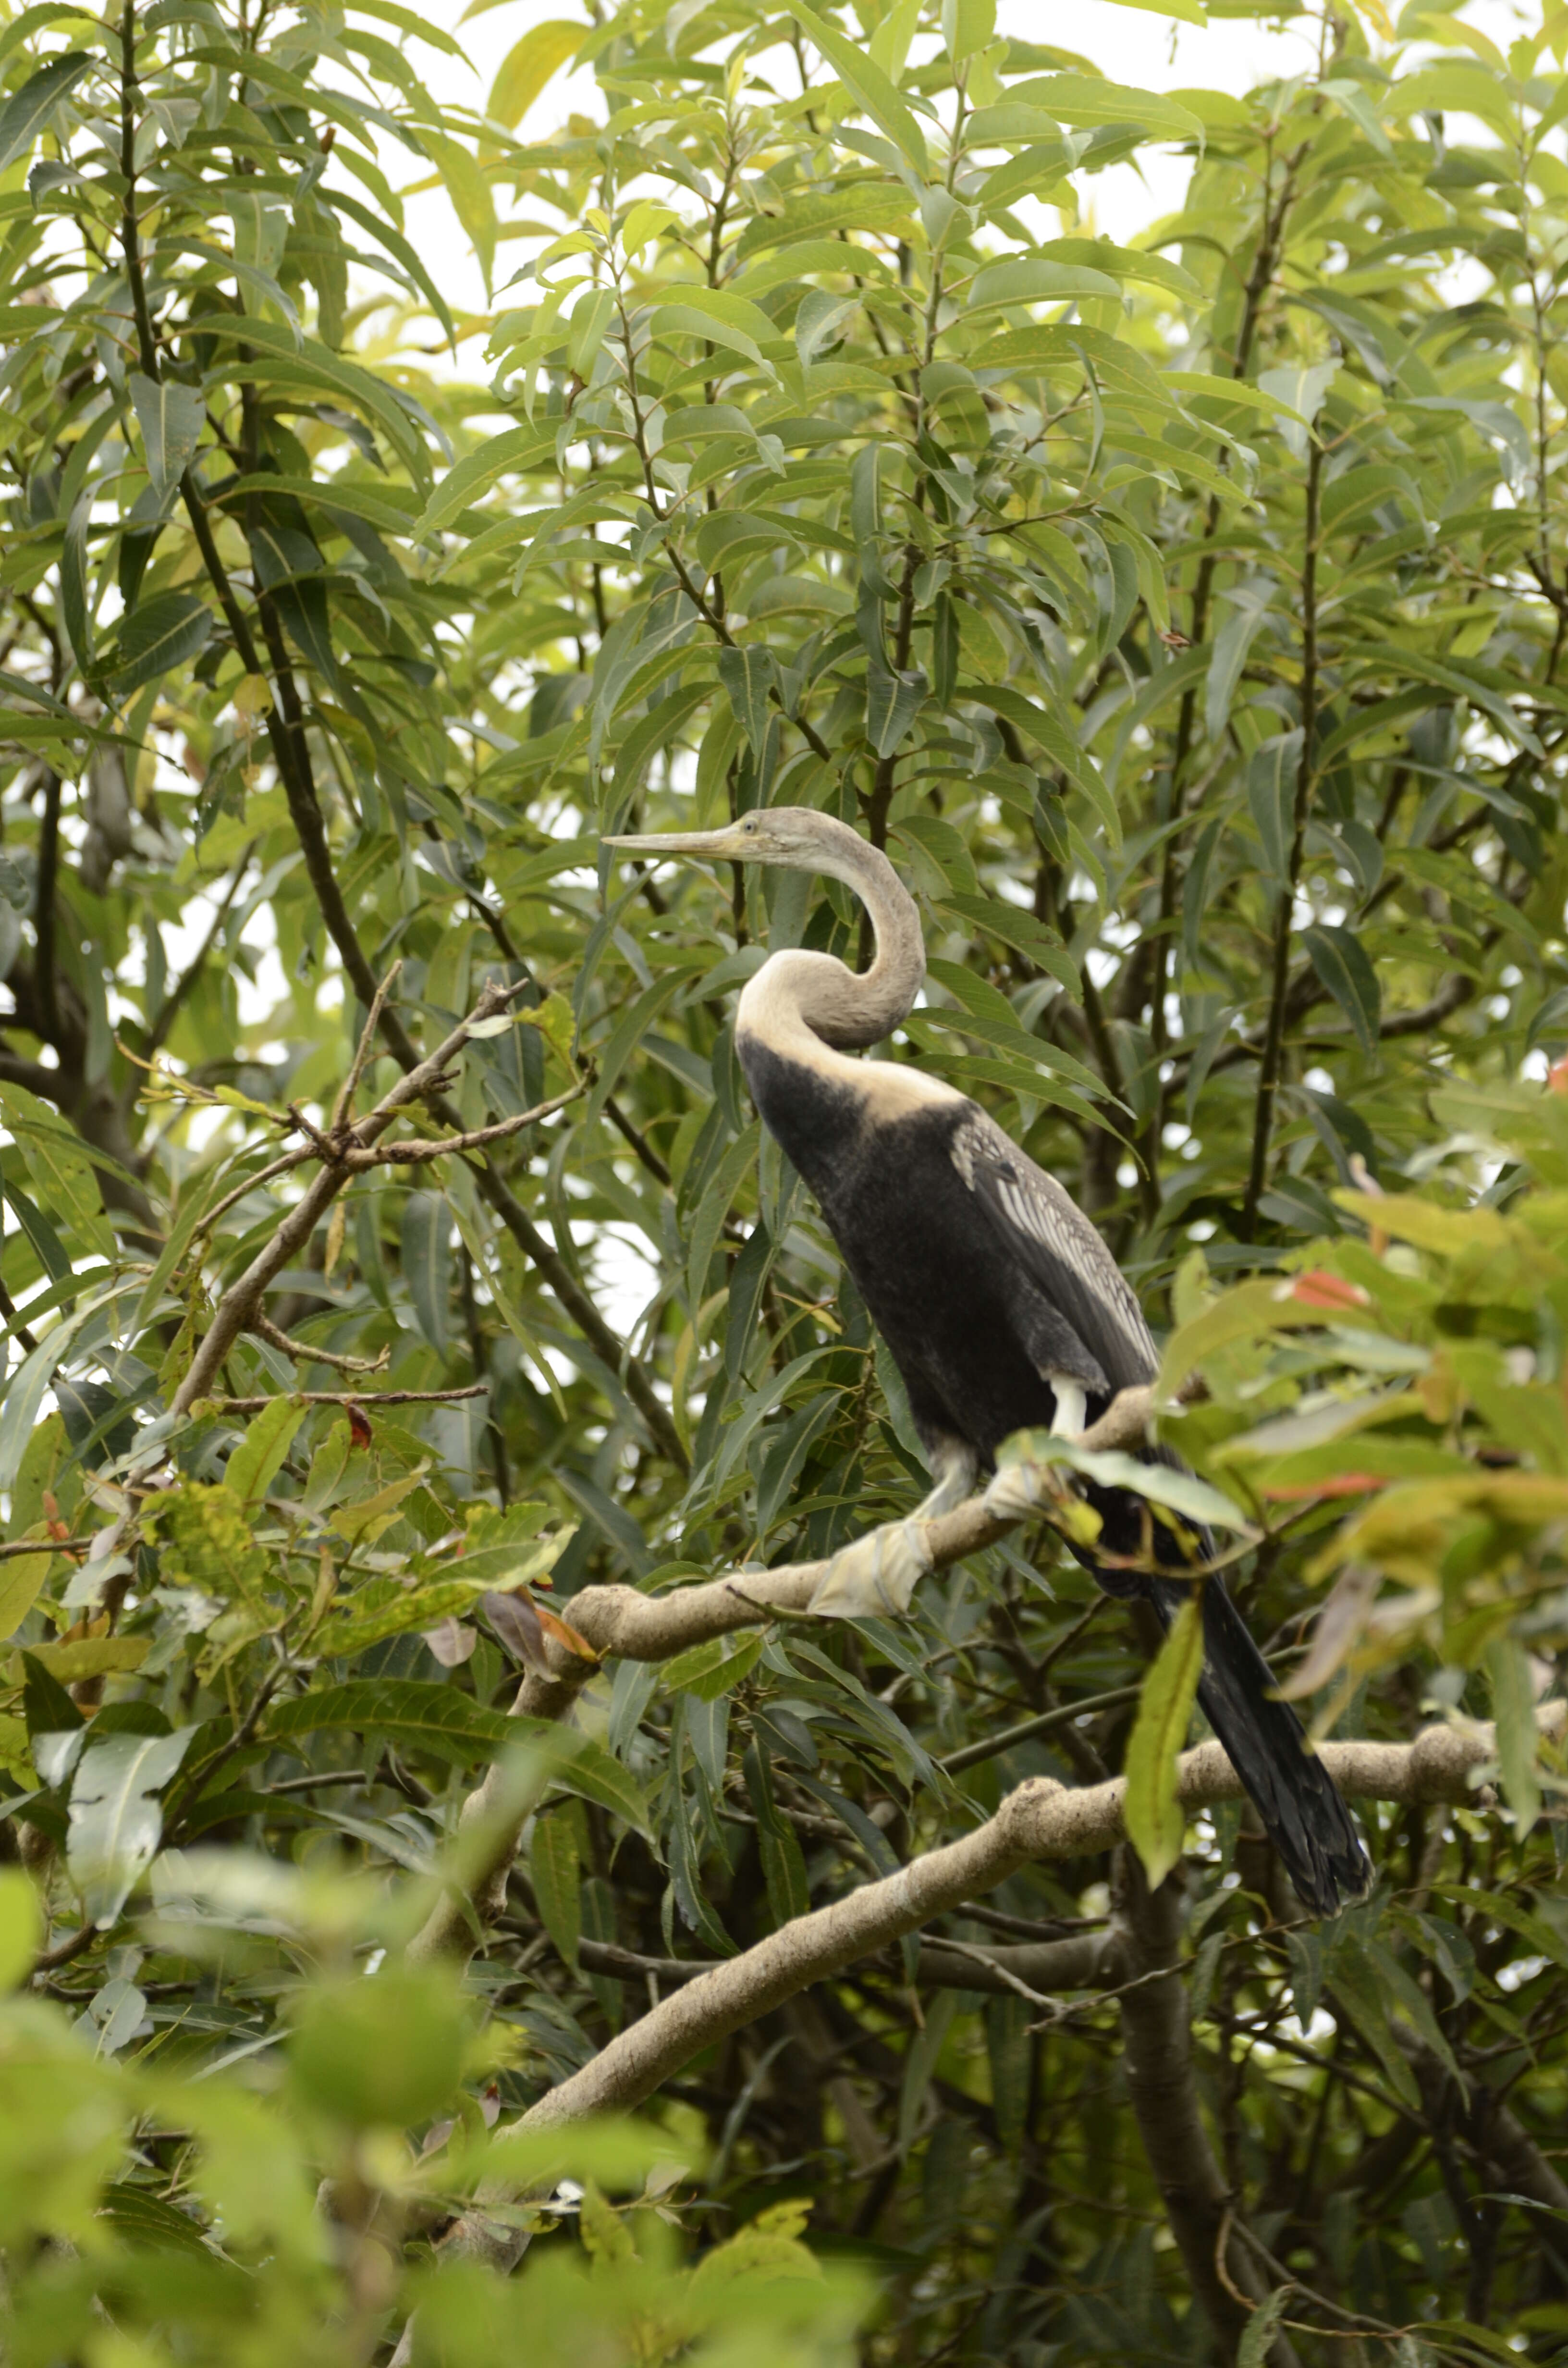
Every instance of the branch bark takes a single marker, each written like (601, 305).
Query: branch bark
(1156, 2032)
(618, 1622)
(1042, 1820)
(239, 1304)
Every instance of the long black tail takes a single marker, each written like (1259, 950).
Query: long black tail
(1286, 1782)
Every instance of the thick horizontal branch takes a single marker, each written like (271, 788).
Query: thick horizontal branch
(1084, 1961)
(1042, 1820)
(618, 1622)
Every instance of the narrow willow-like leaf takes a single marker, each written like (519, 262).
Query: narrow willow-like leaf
(1152, 1813)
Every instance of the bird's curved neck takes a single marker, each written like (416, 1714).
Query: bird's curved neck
(821, 995)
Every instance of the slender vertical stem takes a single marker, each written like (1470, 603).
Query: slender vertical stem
(1273, 1042)
(44, 983)
(1276, 212)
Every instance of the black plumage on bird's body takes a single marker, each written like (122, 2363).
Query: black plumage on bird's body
(954, 1310)
(1001, 1304)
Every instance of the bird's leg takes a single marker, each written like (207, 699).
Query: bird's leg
(1026, 1485)
(1072, 1405)
(876, 1577)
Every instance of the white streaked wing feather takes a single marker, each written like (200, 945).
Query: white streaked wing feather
(1035, 1209)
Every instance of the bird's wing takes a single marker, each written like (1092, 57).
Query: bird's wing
(1059, 1250)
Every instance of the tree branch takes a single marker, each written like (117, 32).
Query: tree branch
(619, 1621)
(1042, 1820)
(241, 1302)
(364, 1398)
(1157, 2057)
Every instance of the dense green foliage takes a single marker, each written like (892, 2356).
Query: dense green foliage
(1188, 622)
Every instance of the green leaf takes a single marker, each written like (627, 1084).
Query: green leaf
(22, 1582)
(555, 1873)
(21, 1932)
(158, 634)
(257, 1459)
(76, 1657)
(116, 1817)
(583, 1766)
(892, 702)
(1249, 604)
(967, 25)
(427, 1264)
(528, 65)
(1152, 1814)
(1257, 2335)
(515, 447)
(171, 417)
(1125, 262)
(275, 360)
(713, 1669)
(1030, 280)
(1271, 796)
(1512, 1706)
(27, 112)
(1342, 963)
(783, 1864)
(25, 1390)
(60, 1167)
(717, 314)
(420, 1715)
(47, 1708)
(74, 603)
(867, 83)
(468, 186)
(1300, 389)
(1086, 99)
(1182, 1491)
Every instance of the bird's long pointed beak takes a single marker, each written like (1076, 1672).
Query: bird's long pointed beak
(726, 842)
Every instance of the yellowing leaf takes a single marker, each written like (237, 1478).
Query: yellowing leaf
(20, 1580)
(85, 1657)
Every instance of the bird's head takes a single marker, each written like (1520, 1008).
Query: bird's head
(797, 838)
(842, 1010)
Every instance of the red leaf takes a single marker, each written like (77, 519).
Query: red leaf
(1318, 1288)
(1340, 1483)
(359, 1430)
(564, 1634)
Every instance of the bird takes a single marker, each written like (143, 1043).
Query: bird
(1000, 1301)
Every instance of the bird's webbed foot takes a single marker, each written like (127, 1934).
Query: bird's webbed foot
(875, 1577)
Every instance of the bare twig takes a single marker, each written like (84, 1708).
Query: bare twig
(74, 1945)
(368, 1399)
(989, 1745)
(305, 1353)
(243, 1299)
